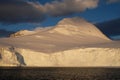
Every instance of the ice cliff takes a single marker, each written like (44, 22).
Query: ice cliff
(80, 57)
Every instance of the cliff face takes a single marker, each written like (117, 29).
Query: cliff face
(72, 58)
(72, 42)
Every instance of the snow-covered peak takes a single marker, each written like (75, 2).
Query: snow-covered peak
(71, 21)
(78, 27)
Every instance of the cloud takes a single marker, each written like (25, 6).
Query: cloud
(20, 11)
(65, 7)
(31, 11)
(112, 1)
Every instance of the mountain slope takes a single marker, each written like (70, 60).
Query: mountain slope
(77, 26)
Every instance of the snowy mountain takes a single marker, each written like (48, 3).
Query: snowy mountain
(72, 42)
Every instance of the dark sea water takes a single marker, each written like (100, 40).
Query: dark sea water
(59, 73)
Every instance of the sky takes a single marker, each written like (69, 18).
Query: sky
(28, 14)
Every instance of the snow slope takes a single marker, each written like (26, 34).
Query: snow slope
(72, 42)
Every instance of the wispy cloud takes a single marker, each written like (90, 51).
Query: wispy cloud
(65, 7)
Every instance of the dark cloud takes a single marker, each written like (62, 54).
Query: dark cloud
(65, 7)
(20, 11)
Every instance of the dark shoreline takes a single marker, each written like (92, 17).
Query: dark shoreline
(35, 67)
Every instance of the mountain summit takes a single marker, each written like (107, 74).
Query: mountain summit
(71, 21)
(77, 26)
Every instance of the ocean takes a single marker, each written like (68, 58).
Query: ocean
(59, 73)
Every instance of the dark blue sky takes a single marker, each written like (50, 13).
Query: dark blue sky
(22, 14)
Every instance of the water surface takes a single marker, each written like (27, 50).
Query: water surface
(59, 73)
